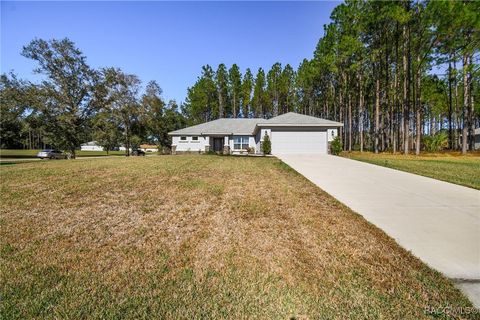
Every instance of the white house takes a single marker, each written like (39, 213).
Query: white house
(290, 133)
(91, 146)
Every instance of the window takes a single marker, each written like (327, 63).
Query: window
(183, 138)
(194, 138)
(240, 142)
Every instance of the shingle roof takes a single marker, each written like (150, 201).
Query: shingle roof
(242, 126)
(292, 118)
(221, 126)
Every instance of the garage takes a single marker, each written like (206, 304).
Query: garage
(299, 141)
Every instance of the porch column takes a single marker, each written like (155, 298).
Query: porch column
(207, 143)
(226, 146)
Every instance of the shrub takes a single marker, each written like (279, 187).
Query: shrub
(435, 143)
(266, 145)
(336, 146)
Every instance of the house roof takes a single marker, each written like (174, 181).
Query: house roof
(90, 143)
(221, 126)
(148, 146)
(243, 126)
(297, 119)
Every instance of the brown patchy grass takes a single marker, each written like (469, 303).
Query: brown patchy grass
(197, 237)
(447, 166)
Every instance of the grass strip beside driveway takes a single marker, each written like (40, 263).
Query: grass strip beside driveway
(449, 167)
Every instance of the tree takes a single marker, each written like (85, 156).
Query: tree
(247, 86)
(153, 108)
(172, 120)
(122, 102)
(305, 83)
(235, 88)
(68, 89)
(106, 130)
(287, 90)
(201, 104)
(221, 80)
(258, 100)
(12, 107)
(273, 89)
(266, 145)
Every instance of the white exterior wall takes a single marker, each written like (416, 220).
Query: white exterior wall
(189, 144)
(331, 134)
(91, 148)
(259, 138)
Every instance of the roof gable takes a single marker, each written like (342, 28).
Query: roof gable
(293, 118)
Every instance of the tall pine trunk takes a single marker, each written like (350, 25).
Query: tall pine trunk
(377, 111)
(455, 119)
(471, 113)
(450, 105)
(465, 104)
(349, 122)
(406, 101)
(418, 108)
(360, 112)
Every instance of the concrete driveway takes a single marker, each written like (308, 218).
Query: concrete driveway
(438, 222)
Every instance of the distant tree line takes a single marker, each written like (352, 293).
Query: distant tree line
(75, 103)
(372, 71)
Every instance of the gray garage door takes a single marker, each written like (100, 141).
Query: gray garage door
(299, 142)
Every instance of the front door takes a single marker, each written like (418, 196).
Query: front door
(218, 144)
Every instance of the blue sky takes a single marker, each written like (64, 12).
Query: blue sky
(167, 41)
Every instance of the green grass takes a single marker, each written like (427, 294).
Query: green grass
(197, 237)
(27, 154)
(450, 167)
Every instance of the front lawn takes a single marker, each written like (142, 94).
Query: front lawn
(197, 237)
(26, 154)
(450, 167)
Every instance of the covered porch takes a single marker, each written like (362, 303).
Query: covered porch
(218, 143)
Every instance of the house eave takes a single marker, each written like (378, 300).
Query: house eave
(300, 125)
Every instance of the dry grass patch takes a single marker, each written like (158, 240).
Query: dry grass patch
(197, 236)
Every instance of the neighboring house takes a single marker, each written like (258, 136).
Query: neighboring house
(477, 139)
(91, 146)
(149, 147)
(289, 133)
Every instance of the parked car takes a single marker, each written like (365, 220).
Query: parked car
(138, 152)
(51, 154)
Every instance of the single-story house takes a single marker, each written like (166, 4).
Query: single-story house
(290, 133)
(149, 147)
(91, 146)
